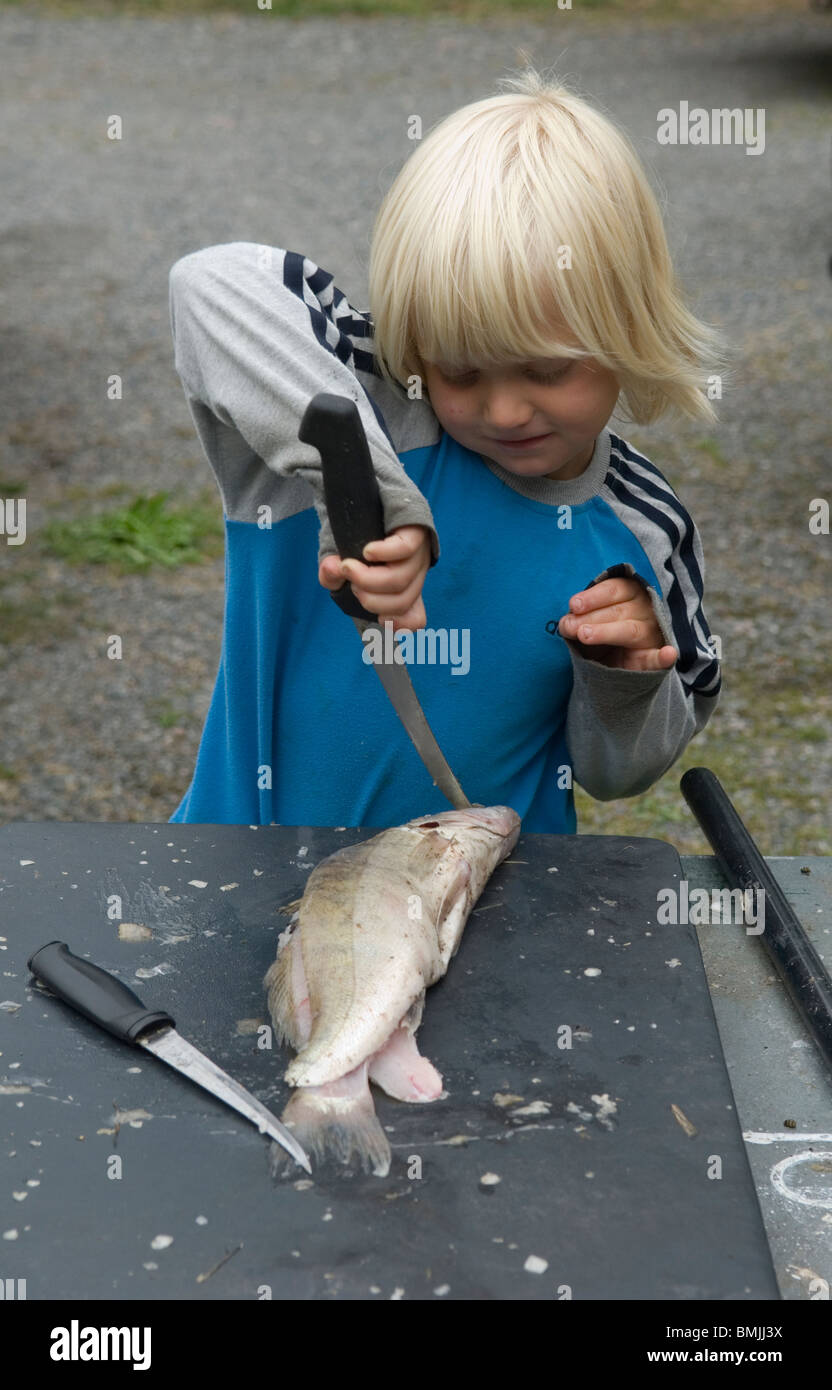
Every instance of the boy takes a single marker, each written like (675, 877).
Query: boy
(520, 284)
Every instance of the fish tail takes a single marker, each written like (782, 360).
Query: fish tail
(340, 1126)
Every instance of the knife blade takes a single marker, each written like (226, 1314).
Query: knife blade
(332, 425)
(111, 1004)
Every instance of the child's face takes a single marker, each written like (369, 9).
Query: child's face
(567, 402)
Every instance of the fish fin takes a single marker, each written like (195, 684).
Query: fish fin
(281, 981)
(291, 908)
(453, 913)
(401, 1070)
(413, 1017)
(338, 1121)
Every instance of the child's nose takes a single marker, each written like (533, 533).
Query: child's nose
(505, 408)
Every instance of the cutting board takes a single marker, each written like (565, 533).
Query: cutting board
(568, 1027)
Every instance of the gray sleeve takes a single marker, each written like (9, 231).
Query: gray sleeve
(257, 332)
(624, 729)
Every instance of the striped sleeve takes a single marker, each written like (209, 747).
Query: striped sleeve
(646, 503)
(258, 331)
(625, 729)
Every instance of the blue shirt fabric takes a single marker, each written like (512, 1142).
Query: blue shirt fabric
(294, 695)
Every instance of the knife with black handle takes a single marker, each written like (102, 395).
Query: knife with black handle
(332, 425)
(111, 1004)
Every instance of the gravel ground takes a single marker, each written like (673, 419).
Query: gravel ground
(259, 128)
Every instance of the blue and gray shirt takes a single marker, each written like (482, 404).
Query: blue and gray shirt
(300, 730)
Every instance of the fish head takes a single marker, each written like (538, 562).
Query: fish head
(477, 839)
(492, 829)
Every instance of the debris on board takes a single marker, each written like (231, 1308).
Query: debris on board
(134, 931)
(200, 1278)
(147, 972)
(606, 1108)
(683, 1120)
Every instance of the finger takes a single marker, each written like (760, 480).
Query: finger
(629, 633)
(412, 619)
(401, 543)
(633, 611)
(654, 659)
(389, 605)
(329, 573)
(383, 579)
(609, 591)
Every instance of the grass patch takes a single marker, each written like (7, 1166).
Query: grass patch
(713, 450)
(166, 714)
(135, 537)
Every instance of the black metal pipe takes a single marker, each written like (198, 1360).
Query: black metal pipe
(790, 950)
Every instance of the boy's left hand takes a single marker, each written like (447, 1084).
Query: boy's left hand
(624, 632)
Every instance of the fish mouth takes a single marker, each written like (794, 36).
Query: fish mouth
(500, 821)
(497, 820)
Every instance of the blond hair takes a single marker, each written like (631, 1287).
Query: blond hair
(470, 248)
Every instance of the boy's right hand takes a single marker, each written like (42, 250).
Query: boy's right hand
(392, 588)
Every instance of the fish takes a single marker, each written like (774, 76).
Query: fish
(378, 924)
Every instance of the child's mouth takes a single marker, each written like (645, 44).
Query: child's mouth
(522, 446)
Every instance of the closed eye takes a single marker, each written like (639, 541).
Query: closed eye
(545, 377)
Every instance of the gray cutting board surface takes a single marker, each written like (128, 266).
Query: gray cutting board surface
(602, 1194)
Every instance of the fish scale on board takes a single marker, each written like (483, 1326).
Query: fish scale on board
(377, 925)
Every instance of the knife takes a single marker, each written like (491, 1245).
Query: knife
(332, 425)
(112, 1005)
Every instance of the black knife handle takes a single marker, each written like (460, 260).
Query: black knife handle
(333, 426)
(94, 992)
